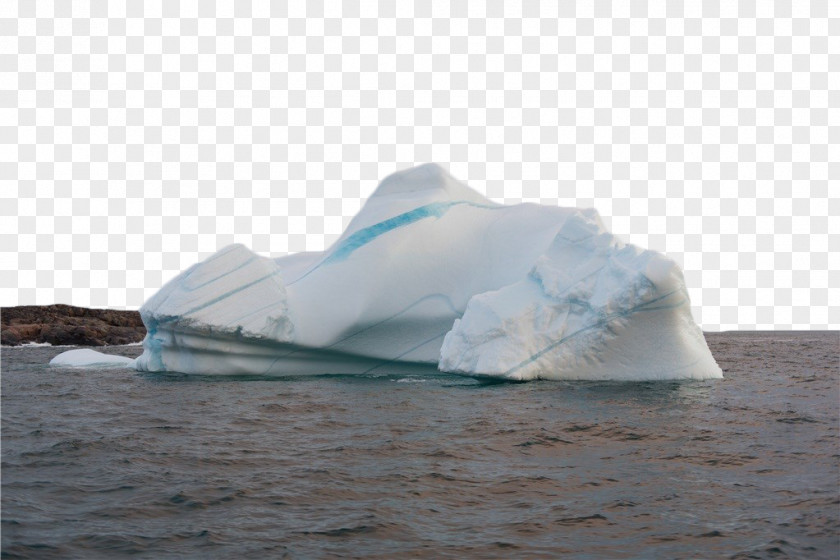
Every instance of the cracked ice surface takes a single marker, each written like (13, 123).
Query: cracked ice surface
(431, 272)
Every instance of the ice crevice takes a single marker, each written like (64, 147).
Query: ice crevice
(431, 273)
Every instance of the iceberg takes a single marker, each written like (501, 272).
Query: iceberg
(430, 272)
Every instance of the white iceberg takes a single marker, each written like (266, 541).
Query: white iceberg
(431, 272)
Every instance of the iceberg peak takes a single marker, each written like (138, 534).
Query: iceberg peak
(429, 178)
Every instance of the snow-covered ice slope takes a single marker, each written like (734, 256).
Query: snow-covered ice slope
(431, 272)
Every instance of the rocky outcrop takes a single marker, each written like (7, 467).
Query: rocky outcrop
(68, 324)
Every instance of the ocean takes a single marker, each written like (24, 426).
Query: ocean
(110, 462)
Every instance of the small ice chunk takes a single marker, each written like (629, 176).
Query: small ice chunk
(86, 358)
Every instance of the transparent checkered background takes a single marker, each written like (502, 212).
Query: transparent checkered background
(138, 138)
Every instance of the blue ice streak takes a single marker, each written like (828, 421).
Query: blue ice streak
(368, 234)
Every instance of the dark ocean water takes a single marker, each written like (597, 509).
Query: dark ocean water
(100, 463)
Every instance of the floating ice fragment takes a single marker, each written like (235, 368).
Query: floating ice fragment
(85, 358)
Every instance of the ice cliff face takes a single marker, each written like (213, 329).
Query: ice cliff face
(431, 272)
(590, 308)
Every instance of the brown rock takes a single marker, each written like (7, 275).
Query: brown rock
(68, 324)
